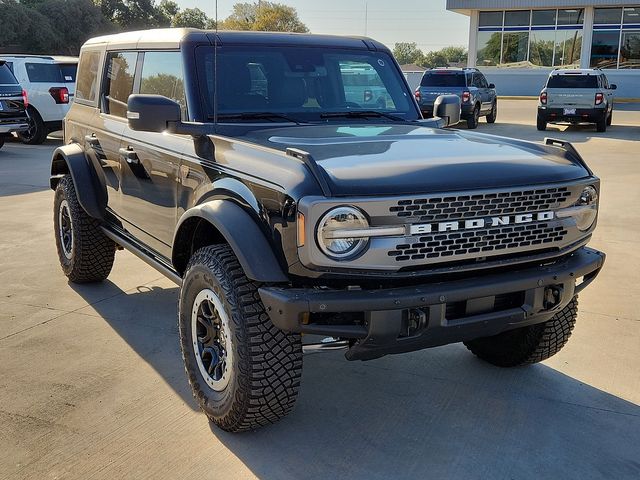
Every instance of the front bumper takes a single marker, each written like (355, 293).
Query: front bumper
(397, 320)
(581, 115)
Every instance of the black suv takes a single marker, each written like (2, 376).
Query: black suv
(13, 102)
(238, 165)
(477, 95)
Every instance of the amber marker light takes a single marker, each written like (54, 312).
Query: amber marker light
(301, 230)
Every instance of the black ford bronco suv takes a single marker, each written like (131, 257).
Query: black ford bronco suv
(235, 164)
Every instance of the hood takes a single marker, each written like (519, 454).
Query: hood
(385, 159)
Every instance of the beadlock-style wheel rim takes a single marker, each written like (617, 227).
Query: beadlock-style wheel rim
(65, 229)
(211, 338)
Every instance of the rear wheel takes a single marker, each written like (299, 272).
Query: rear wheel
(610, 118)
(243, 371)
(526, 345)
(86, 254)
(37, 132)
(472, 120)
(541, 124)
(491, 118)
(601, 124)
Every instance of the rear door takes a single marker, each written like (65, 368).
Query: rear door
(572, 91)
(150, 162)
(483, 91)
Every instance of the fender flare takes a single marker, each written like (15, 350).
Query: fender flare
(72, 159)
(243, 235)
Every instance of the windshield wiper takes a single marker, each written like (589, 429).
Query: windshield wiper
(363, 114)
(256, 116)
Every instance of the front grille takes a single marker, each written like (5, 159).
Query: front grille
(443, 208)
(483, 241)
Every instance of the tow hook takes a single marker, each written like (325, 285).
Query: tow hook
(552, 297)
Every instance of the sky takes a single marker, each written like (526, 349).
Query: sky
(425, 22)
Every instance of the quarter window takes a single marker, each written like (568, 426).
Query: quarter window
(118, 86)
(87, 79)
(162, 75)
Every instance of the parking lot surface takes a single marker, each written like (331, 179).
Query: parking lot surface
(92, 383)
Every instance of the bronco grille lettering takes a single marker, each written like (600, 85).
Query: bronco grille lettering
(420, 229)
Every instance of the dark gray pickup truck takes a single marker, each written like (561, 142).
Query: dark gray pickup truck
(240, 166)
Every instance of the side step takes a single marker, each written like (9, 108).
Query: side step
(144, 254)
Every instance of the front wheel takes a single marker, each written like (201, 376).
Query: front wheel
(526, 345)
(491, 118)
(610, 118)
(243, 371)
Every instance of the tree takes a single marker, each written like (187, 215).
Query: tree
(190, 17)
(454, 54)
(264, 16)
(407, 53)
(435, 59)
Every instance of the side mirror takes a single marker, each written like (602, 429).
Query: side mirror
(613, 86)
(448, 108)
(492, 85)
(156, 113)
(152, 113)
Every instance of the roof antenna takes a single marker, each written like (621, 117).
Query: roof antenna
(215, 71)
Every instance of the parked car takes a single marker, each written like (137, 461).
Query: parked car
(478, 97)
(295, 212)
(50, 84)
(575, 97)
(13, 100)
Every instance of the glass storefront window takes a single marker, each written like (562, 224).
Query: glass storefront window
(541, 46)
(514, 47)
(517, 18)
(572, 16)
(543, 17)
(489, 44)
(607, 16)
(604, 49)
(631, 15)
(630, 49)
(490, 19)
(568, 48)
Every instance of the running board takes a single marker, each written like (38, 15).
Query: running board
(144, 254)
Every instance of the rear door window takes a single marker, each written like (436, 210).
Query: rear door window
(87, 84)
(444, 79)
(44, 72)
(6, 77)
(573, 81)
(118, 82)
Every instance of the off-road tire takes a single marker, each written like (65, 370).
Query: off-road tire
(472, 120)
(91, 256)
(267, 362)
(527, 345)
(37, 132)
(601, 124)
(493, 114)
(541, 123)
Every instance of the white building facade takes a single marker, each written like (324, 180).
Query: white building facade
(516, 43)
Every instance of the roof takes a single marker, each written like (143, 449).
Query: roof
(465, 6)
(46, 58)
(577, 71)
(173, 37)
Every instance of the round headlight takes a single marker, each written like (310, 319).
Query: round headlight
(336, 236)
(587, 208)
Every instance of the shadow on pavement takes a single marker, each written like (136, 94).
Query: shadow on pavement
(25, 168)
(436, 413)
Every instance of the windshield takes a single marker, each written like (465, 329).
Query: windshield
(301, 83)
(573, 81)
(443, 80)
(6, 77)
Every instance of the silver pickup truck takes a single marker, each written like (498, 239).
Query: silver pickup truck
(576, 96)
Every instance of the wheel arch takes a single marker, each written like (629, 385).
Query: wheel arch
(71, 159)
(223, 221)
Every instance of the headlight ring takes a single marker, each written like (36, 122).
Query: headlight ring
(331, 236)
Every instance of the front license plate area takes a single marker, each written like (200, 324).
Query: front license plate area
(569, 111)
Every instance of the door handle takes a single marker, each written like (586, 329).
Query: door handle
(92, 140)
(130, 155)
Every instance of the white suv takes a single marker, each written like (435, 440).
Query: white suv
(50, 84)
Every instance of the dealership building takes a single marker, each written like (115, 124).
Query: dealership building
(516, 43)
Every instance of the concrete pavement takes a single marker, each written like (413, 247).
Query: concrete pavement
(92, 383)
